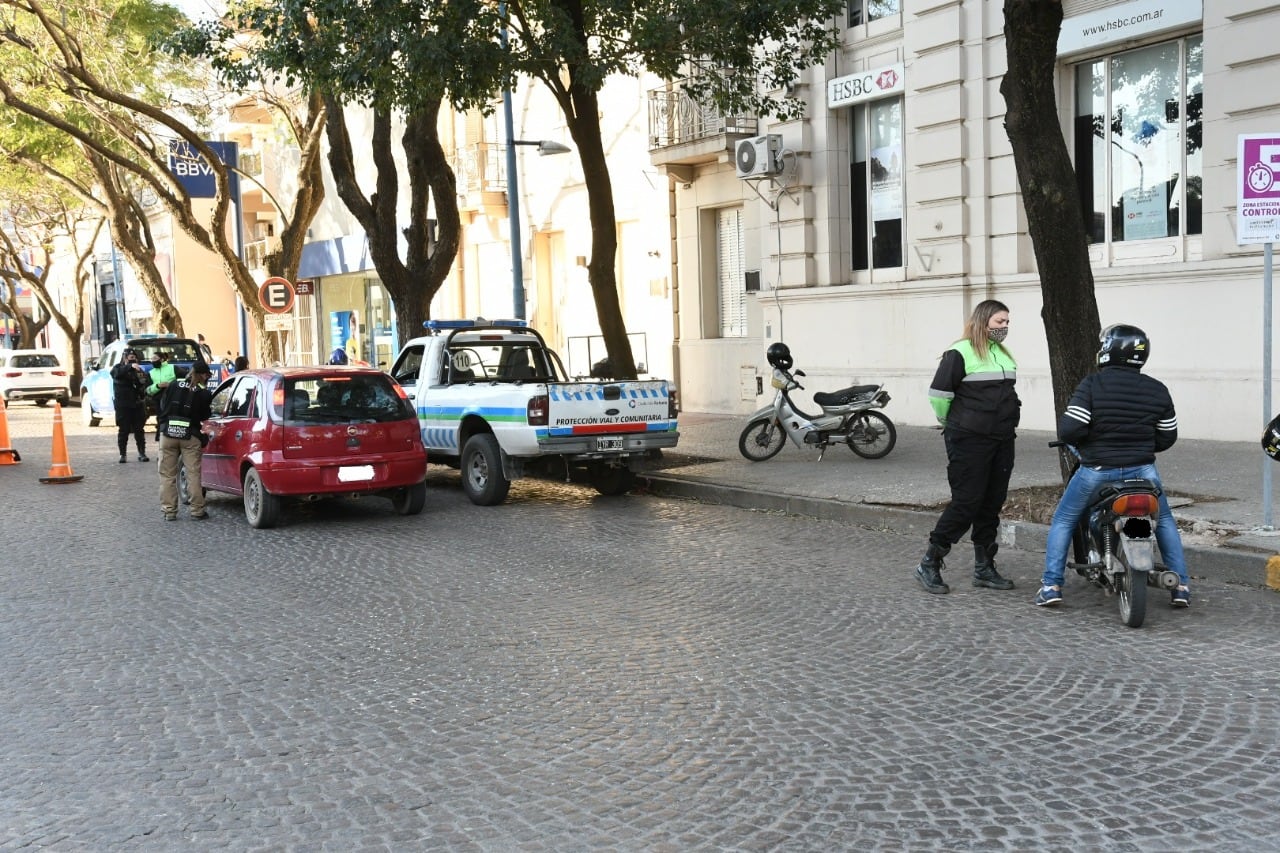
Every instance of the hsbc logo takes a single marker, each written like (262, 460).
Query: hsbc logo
(866, 86)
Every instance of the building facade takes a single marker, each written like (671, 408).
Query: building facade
(863, 234)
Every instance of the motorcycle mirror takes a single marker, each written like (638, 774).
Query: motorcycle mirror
(799, 373)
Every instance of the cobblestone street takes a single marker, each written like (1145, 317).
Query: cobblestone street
(570, 672)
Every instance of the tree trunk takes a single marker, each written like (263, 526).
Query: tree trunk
(1048, 183)
(413, 282)
(584, 125)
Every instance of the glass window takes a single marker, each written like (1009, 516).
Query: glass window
(241, 404)
(863, 11)
(876, 184)
(1138, 142)
(731, 273)
(360, 398)
(34, 361)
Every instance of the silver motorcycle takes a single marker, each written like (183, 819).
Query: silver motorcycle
(848, 416)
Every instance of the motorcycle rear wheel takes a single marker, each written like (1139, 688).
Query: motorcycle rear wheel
(871, 435)
(761, 440)
(1132, 595)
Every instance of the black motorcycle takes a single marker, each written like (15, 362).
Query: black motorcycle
(1114, 544)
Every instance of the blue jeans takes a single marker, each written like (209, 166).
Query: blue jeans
(1073, 505)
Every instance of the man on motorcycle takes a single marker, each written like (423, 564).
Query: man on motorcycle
(1118, 419)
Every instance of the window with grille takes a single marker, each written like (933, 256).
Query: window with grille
(730, 273)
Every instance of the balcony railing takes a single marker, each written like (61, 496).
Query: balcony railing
(675, 118)
(481, 168)
(255, 254)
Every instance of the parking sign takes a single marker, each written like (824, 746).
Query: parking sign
(276, 295)
(1258, 184)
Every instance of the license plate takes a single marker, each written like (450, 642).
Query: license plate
(608, 444)
(355, 473)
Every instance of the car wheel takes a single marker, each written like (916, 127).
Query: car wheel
(482, 477)
(410, 500)
(87, 415)
(42, 402)
(261, 508)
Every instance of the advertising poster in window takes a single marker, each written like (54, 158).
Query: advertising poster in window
(1145, 216)
(886, 182)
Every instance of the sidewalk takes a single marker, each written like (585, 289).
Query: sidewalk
(1216, 489)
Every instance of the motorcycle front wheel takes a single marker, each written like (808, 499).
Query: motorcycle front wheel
(1132, 593)
(871, 435)
(761, 440)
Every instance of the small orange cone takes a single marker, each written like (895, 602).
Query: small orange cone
(8, 456)
(60, 470)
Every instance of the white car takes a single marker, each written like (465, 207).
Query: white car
(33, 374)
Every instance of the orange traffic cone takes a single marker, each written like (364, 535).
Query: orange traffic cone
(8, 456)
(60, 470)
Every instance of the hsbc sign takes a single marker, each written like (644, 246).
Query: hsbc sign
(866, 86)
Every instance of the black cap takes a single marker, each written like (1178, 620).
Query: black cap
(128, 351)
(201, 367)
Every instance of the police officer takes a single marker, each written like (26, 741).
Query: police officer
(184, 406)
(129, 389)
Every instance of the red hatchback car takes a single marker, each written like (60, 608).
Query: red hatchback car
(304, 433)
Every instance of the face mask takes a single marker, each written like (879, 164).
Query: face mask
(155, 362)
(997, 335)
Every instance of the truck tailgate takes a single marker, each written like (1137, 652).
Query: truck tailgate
(606, 409)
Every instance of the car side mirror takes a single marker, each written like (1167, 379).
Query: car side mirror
(91, 364)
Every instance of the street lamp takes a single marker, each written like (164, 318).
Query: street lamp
(545, 147)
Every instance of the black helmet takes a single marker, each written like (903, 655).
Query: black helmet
(1271, 439)
(1123, 344)
(779, 356)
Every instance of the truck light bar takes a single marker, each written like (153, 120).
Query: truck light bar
(439, 325)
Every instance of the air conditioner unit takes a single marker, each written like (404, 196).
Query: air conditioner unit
(757, 157)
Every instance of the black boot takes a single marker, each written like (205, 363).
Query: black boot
(984, 568)
(929, 572)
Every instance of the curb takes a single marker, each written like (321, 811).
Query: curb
(1217, 563)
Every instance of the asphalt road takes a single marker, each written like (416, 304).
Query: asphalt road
(570, 672)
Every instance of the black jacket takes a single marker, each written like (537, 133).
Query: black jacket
(128, 386)
(187, 401)
(1119, 417)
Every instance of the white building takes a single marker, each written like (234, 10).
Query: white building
(895, 205)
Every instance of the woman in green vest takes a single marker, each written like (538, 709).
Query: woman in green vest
(973, 396)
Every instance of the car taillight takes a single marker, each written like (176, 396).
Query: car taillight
(12, 375)
(1136, 504)
(538, 411)
(277, 400)
(673, 404)
(59, 373)
(400, 391)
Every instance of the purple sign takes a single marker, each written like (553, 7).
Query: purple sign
(1258, 205)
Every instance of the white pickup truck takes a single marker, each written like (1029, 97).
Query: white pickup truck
(495, 401)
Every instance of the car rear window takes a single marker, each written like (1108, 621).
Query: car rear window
(34, 361)
(365, 398)
(177, 350)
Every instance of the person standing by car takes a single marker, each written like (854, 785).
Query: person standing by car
(973, 397)
(162, 373)
(184, 405)
(206, 352)
(129, 390)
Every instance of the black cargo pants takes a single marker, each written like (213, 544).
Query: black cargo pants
(978, 469)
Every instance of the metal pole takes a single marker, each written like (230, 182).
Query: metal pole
(242, 320)
(1266, 379)
(118, 287)
(513, 189)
